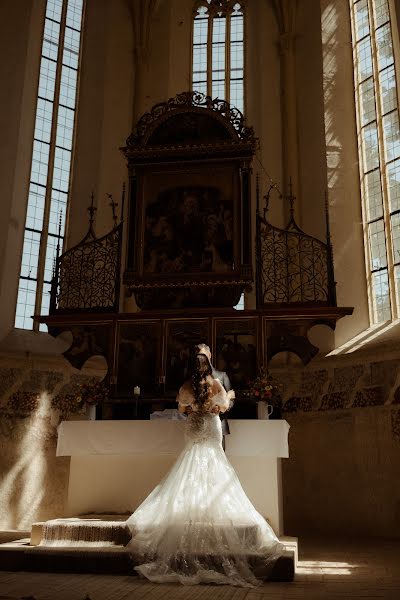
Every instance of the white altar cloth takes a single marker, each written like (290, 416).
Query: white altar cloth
(116, 464)
(247, 438)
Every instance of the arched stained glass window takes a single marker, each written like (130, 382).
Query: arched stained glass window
(379, 147)
(218, 50)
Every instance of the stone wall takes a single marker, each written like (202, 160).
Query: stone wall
(342, 476)
(35, 395)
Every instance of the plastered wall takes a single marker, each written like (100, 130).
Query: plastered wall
(104, 116)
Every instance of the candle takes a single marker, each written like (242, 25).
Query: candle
(136, 390)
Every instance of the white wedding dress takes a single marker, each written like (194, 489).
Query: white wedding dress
(198, 525)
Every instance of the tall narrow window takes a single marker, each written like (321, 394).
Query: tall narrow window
(218, 50)
(379, 146)
(51, 158)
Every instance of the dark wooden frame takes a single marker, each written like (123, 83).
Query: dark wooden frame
(279, 329)
(148, 387)
(182, 173)
(229, 326)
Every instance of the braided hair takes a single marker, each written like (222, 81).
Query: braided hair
(200, 385)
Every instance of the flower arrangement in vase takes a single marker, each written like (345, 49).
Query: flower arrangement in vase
(93, 393)
(82, 399)
(266, 393)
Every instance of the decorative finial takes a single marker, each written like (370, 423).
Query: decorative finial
(267, 196)
(59, 223)
(59, 238)
(113, 207)
(91, 210)
(57, 254)
(123, 201)
(291, 199)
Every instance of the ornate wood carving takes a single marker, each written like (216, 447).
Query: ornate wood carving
(190, 150)
(274, 329)
(191, 105)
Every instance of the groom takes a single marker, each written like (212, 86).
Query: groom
(223, 379)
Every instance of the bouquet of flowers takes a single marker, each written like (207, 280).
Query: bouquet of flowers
(93, 393)
(262, 388)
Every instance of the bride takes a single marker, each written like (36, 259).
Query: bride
(198, 525)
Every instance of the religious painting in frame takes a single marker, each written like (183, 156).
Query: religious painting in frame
(181, 336)
(236, 349)
(138, 351)
(190, 223)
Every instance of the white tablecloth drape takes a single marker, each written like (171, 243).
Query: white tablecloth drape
(166, 437)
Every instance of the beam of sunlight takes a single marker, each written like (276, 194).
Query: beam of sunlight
(321, 567)
(22, 489)
(374, 335)
(365, 337)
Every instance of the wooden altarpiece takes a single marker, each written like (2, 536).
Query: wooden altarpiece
(188, 260)
(189, 221)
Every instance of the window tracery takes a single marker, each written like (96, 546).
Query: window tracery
(51, 157)
(379, 146)
(218, 50)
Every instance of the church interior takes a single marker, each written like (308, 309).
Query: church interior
(176, 172)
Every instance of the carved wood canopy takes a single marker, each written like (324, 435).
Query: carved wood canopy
(189, 127)
(189, 208)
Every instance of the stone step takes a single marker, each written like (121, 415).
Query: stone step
(20, 556)
(10, 535)
(84, 530)
(12, 555)
(107, 530)
(96, 544)
(291, 545)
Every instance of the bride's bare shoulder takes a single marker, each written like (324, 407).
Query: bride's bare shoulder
(216, 386)
(185, 393)
(187, 389)
(187, 386)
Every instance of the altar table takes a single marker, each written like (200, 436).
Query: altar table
(115, 464)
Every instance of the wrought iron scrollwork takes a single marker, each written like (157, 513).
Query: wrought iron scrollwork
(87, 276)
(292, 267)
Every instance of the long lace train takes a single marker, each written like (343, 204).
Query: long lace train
(198, 525)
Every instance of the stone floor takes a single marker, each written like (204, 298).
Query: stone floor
(327, 570)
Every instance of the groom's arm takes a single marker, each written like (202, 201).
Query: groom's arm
(227, 385)
(223, 378)
(226, 382)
